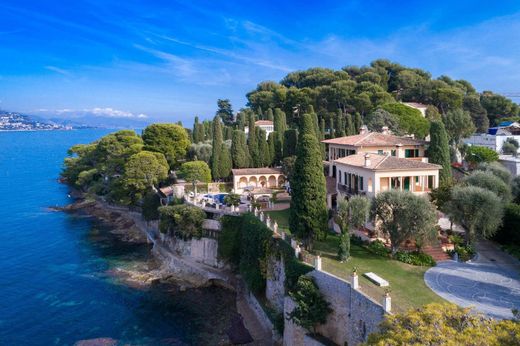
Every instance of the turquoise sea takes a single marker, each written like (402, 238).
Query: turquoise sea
(57, 281)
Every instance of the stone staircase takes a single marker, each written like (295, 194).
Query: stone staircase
(436, 252)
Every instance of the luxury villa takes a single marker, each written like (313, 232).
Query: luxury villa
(372, 162)
(259, 179)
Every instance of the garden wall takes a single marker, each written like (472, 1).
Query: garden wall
(353, 318)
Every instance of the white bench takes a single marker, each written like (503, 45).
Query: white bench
(376, 279)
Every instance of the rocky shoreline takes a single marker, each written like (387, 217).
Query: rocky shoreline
(169, 267)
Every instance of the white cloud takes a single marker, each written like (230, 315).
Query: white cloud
(107, 112)
(58, 70)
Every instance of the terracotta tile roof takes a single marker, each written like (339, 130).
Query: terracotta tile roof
(374, 139)
(253, 171)
(263, 122)
(385, 163)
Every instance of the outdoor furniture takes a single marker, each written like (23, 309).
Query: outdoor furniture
(376, 279)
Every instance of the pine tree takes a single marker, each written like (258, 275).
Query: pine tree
(239, 151)
(439, 151)
(308, 213)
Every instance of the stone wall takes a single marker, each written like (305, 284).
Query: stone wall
(293, 334)
(203, 250)
(275, 283)
(354, 315)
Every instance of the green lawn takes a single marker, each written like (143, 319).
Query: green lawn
(407, 286)
(281, 217)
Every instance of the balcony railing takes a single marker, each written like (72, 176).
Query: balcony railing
(350, 190)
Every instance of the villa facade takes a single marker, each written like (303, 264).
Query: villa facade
(374, 143)
(257, 179)
(368, 174)
(266, 125)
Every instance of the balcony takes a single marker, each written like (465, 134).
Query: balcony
(350, 190)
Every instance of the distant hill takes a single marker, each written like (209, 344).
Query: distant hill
(11, 121)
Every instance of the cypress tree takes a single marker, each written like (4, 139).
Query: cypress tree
(331, 128)
(349, 125)
(263, 148)
(307, 125)
(260, 113)
(216, 150)
(225, 161)
(439, 151)
(280, 121)
(358, 122)
(228, 133)
(308, 213)
(340, 124)
(269, 115)
(239, 152)
(280, 126)
(290, 142)
(252, 143)
(271, 144)
(195, 133)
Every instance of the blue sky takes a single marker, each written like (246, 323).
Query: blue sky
(171, 60)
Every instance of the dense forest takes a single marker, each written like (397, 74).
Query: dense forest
(329, 103)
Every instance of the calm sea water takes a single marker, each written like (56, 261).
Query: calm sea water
(55, 281)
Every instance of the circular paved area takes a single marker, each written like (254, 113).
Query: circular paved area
(488, 286)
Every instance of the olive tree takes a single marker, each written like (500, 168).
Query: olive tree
(476, 209)
(401, 216)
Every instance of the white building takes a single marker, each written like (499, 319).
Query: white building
(369, 174)
(496, 136)
(266, 125)
(511, 163)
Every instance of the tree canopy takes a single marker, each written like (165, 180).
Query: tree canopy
(439, 151)
(404, 216)
(169, 139)
(476, 209)
(195, 171)
(444, 324)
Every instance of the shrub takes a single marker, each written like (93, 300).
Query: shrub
(476, 154)
(465, 252)
(254, 246)
(378, 247)
(415, 258)
(184, 221)
(311, 308)
(229, 239)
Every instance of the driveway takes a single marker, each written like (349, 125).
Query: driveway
(490, 284)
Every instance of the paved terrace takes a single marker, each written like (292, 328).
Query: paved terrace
(490, 284)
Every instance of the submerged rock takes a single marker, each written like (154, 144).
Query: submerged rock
(97, 342)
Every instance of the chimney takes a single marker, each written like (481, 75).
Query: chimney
(385, 130)
(363, 130)
(367, 160)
